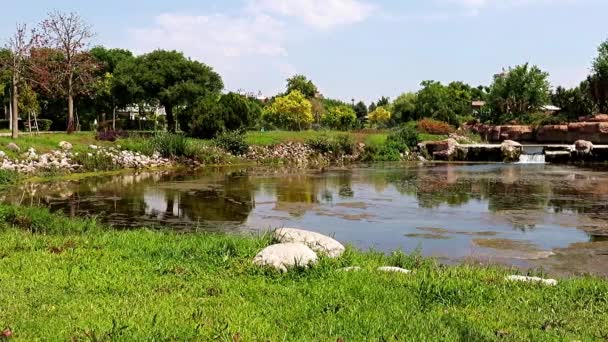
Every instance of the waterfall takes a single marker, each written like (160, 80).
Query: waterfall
(532, 159)
(532, 155)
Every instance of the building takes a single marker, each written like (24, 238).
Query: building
(146, 111)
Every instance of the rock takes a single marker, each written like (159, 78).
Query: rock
(594, 118)
(93, 147)
(583, 146)
(393, 269)
(2, 154)
(285, 255)
(315, 241)
(64, 145)
(511, 150)
(13, 147)
(350, 269)
(516, 132)
(552, 134)
(548, 282)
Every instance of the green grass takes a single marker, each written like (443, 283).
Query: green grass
(280, 137)
(44, 143)
(431, 137)
(73, 279)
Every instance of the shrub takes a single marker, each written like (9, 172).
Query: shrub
(44, 124)
(169, 144)
(209, 116)
(339, 145)
(111, 135)
(432, 126)
(342, 117)
(398, 142)
(379, 117)
(292, 111)
(233, 142)
(97, 161)
(8, 177)
(543, 119)
(130, 125)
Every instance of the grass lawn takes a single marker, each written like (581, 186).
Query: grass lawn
(280, 137)
(72, 279)
(44, 143)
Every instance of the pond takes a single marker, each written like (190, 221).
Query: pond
(554, 217)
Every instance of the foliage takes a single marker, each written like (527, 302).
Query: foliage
(303, 85)
(598, 80)
(167, 78)
(397, 142)
(434, 127)
(341, 117)
(169, 145)
(9, 177)
(44, 124)
(111, 135)
(574, 102)
(232, 141)
(209, 116)
(521, 90)
(379, 117)
(361, 111)
(292, 111)
(342, 144)
(95, 161)
(543, 119)
(404, 108)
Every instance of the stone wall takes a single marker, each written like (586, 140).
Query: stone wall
(594, 129)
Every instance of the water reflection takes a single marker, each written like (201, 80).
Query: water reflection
(541, 206)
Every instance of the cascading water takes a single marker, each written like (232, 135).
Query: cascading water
(532, 155)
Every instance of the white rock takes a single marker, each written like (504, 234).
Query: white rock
(285, 255)
(93, 147)
(316, 241)
(64, 145)
(13, 147)
(548, 282)
(393, 269)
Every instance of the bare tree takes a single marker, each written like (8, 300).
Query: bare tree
(69, 35)
(20, 45)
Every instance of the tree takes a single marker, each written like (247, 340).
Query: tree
(19, 47)
(598, 80)
(168, 78)
(303, 85)
(434, 102)
(292, 111)
(380, 117)
(574, 102)
(107, 95)
(361, 111)
(404, 108)
(340, 117)
(383, 102)
(72, 73)
(521, 90)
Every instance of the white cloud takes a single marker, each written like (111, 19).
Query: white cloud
(241, 48)
(320, 14)
(474, 7)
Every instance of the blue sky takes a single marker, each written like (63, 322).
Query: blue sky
(360, 49)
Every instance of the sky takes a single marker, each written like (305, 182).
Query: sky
(351, 49)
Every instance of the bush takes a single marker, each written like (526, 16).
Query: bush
(398, 142)
(431, 126)
(233, 142)
(292, 112)
(111, 135)
(9, 177)
(130, 125)
(169, 145)
(341, 117)
(97, 161)
(44, 124)
(342, 144)
(543, 119)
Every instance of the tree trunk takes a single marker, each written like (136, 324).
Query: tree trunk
(170, 118)
(114, 118)
(15, 113)
(70, 128)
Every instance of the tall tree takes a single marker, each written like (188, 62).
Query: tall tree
(19, 46)
(404, 108)
(361, 110)
(168, 78)
(303, 85)
(574, 102)
(598, 80)
(521, 90)
(70, 71)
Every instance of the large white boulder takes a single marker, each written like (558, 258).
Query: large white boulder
(391, 269)
(286, 255)
(517, 278)
(316, 241)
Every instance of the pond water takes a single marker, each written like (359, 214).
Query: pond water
(555, 217)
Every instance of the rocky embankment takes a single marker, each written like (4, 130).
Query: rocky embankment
(299, 154)
(64, 159)
(591, 128)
